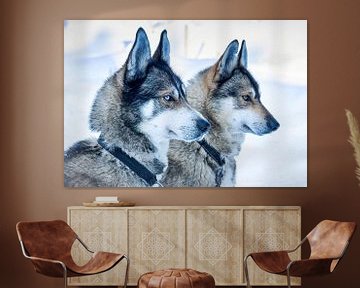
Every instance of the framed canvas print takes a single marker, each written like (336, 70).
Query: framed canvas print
(185, 103)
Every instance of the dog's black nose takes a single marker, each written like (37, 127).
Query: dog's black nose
(203, 125)
(271, 123)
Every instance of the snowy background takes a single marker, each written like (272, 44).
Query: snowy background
(94, 49)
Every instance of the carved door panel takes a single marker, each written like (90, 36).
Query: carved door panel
(269, 230)
(101, 230)
(156, 240)
(214, 244)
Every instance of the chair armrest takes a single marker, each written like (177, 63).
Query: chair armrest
(271, 261)
(84, 245)
(49, 267)
(268, 253)
(46, 260)
(298, 246)
(309, 267)
(281, 251)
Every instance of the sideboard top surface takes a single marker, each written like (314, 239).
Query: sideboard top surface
(193, 207)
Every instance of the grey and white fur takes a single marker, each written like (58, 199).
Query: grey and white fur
(228, 96)
(139, 109)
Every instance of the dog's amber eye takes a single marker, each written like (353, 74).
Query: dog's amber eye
(168, 98)
(246, 98)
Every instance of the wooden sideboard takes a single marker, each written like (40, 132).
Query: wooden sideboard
(212, 239)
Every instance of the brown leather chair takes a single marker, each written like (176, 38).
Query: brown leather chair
(48, 245)
(328, 242)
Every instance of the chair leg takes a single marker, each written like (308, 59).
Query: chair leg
(65, 276)
(246, 270)
(127, 271)
(288, 278)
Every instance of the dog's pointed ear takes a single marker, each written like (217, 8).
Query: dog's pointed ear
(138, 58)
(243, 55)
(162, 52)
(227, 62)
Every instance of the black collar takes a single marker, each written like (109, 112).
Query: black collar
(212, 152)
(131, 163)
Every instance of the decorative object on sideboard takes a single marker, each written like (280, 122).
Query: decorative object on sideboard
(108, 201)
(48, 245)
(120, 204)
(328, 242)
(354, 139)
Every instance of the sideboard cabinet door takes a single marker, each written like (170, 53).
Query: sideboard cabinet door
(101, 230)
(156, 240)
(268, 230)
(214, 243)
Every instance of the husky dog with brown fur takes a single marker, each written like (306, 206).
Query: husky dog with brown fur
(228, 96)
(137, 111)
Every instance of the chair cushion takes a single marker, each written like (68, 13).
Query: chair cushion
(176, 278)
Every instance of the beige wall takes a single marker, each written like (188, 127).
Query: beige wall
(31, 111)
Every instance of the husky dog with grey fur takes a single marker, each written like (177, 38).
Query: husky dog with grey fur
(138, 110)
(228, 96)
